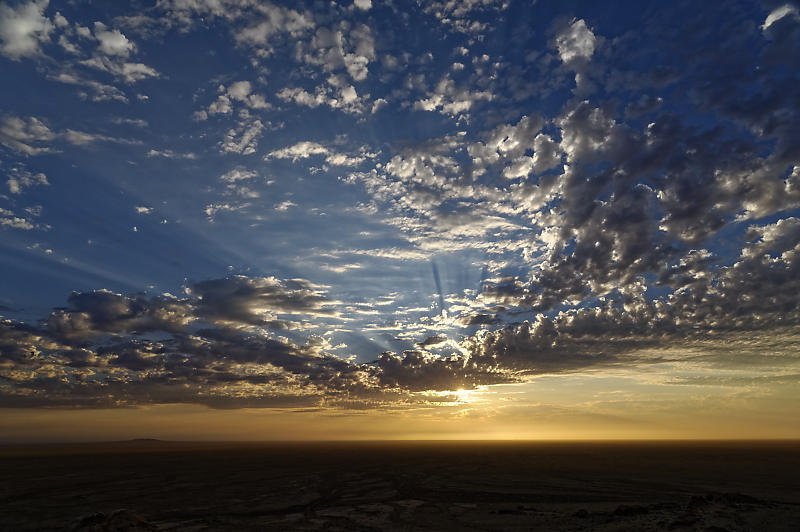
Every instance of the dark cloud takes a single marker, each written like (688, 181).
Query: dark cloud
(102, 311)
(249, 300)
(432, 340)
(217, 365)
(419, 371)
(232, 301)
(651, 203)
(754, 294)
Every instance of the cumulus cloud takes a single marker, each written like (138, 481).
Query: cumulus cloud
(243, 138)
(238, 174)
(345, 46)
(240, 91)
(576, 42)
(28, 136)
(31, 136)
(468, 16)
(128, 71)
(337, 95)
(270, 20)
(11, 220)
(450, 99)
(251, 301)
(112, 41)
(169, 154)
(23, 29)
(20, 178)
(606, 228)
(101, 92)
(786, 10)
(233, 302)
(306, 149)
(102, 311)
(217, 363)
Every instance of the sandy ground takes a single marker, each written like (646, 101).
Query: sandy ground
(709, 486)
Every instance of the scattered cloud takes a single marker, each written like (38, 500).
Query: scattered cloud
(23, 29)
(576, 42)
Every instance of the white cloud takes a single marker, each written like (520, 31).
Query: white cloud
(169, 154)
(451, 100)
(23, 29)
(778, 13)
(240, 91)
(274, 20)
(112, 42)
(306, 149)
(25, 136)
(31, 136)
(21, 178)
(143, 210)
(301, 150)
(212, 209)
(9, 219)
(130, 72)
(285, 205)
(342, 46)
(101, 91)
(243, 138)
(363, 4)
(238, 174)
(344, 97)
(136, 122)
(576, 42)
(464, 15)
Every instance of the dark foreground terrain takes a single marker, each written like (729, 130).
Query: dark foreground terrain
(150, 485)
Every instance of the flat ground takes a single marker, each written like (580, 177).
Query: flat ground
(148, 485)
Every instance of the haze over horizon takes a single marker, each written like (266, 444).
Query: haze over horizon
(488, 219)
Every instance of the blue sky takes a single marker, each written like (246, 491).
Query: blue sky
(244, 203)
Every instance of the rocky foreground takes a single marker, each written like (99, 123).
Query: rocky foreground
(150, 485)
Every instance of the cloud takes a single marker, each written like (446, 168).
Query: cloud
(8, 219)
(112, 42)
(576, 42)
(20, 178)
(102, 311)
(240, 91)
(31, 136)
(301, 150)
(613, 225)
(169, 154)
(786, 10)
(306, 149)
(243, 139)
(451, 100)
(128, 71)
(220, 364)
(233, 302)
(252, 301)
(23, 29)
(27, 136)
(101, 91)
(468, 16)
(238, 174)
(342, 46)
(252, 24)
(271, 20)
(336, 95)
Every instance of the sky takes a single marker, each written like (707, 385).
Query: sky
(486, 219)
